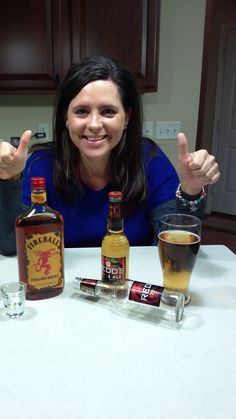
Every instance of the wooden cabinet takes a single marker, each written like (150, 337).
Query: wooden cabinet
(128, 30)
(40, 39)
(28, 53)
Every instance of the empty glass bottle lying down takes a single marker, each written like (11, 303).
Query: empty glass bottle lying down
(143, 299)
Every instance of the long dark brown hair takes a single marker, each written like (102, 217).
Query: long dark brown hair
(128, 174)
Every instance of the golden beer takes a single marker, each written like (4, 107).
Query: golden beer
(177, 251)
(115, 246)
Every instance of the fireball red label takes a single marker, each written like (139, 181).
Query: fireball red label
(145, 293)
(113, 269)
(44, 260)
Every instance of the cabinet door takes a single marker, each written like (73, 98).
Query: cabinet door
(128, 30)
(29, 45)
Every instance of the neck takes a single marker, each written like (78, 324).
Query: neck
(95, 174)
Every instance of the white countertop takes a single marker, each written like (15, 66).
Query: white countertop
(70, 358)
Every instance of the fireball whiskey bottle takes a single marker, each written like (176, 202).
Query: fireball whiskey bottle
(115, 245)
(40, 246)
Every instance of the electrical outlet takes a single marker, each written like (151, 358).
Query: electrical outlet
(45, 129)
(148, 129)
(167, 130)
(15, 141)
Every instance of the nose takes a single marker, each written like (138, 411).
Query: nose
(94, 121)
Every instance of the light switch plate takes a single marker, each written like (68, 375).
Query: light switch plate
(148, 129)
(167, 130)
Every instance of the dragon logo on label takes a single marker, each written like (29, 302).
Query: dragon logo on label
(43, 260)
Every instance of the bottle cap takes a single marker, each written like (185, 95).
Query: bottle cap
(38, 183)
(116, 195)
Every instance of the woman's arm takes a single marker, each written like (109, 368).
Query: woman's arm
(10, 207)
(175, 206)
(12, 163)
(196, 170)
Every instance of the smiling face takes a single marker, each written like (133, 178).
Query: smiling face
(96, 119)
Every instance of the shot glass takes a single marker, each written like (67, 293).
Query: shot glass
(178, 243)
(13, 295)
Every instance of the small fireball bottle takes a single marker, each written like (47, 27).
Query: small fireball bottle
(115, 245)
(40, 246)
(141, 298)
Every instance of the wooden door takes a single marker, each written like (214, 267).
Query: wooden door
(224, 192)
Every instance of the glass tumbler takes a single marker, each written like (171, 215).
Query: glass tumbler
(13, 294)
(179, 240)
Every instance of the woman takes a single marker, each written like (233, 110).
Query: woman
(98, 147)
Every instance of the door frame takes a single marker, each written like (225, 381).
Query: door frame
(204, 73)
(211, 141)
(218, 101)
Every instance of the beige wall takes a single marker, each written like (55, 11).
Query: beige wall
(177, 99)
(180, 61)
(21, 112)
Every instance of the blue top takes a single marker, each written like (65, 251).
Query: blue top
(86, 220)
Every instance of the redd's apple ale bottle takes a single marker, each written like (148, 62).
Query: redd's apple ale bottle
(137, 297)
(40, 246)
(115, 245)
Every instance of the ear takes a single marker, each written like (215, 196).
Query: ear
(127, 116)
(65, 117)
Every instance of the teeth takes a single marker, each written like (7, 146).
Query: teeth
(94, 139)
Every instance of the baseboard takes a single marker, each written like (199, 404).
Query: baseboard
(220, 223)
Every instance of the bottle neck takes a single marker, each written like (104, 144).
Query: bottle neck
(38, 196)
(115, 222)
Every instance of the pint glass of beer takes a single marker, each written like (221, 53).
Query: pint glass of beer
(178, 243)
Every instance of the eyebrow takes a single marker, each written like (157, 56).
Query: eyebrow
(105, 105)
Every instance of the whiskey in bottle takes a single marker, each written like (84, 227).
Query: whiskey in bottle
(115, 245)
(40, 246)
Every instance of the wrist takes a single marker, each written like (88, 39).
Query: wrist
(190, 201)
(189, 190)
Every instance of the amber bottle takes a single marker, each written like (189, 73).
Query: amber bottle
(115, 245)
(40, 246)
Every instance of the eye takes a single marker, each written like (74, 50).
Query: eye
(109, 112)
(82, 112)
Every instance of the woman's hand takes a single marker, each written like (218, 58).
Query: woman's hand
(13, 160)
(195, 169)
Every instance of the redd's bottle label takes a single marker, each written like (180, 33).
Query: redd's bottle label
(145, 293)
(88, 285)
(44, 260)
(114, 211)
(113, 269)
